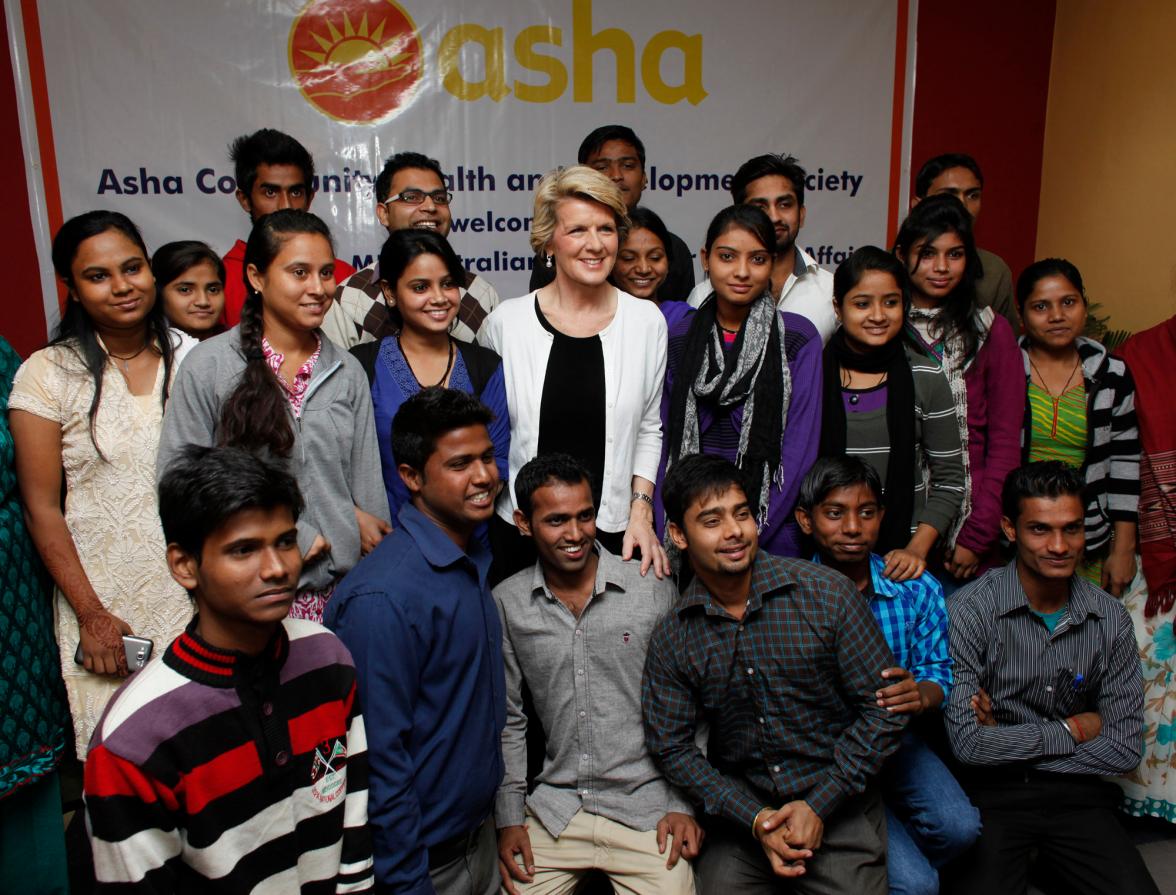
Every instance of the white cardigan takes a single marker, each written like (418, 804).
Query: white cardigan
(634, 346)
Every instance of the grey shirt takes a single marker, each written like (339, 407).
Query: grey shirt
(1038, 678)
(585, 677)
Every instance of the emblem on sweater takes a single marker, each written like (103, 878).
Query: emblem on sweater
(328, 775)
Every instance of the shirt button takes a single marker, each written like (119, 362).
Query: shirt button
(580, 671)
(577, 632)
(267, 708)
(582, 714)
(583, 792)
(584, 756)
(751, 671)
(775, 769)
(740, 628)
(761, 720)
(282, 758)
(1049, 689)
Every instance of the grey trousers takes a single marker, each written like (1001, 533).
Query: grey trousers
(476, 872)
(850, 861)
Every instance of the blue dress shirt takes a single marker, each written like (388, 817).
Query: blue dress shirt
(419, 619)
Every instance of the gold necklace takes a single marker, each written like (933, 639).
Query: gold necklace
(1056, 400)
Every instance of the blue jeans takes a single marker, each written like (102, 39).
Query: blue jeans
(929, 819)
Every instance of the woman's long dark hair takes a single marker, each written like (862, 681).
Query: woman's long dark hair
(76, 329)
(402, 247)
(255, 417)
(929, 220)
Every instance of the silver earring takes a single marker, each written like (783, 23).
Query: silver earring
(549, 260)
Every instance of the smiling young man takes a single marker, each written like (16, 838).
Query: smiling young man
(235, 762)
(929, 820)
(775, 184)
(1048, 699)
(958, 174)
(419, 618)
(410, 195)
(618, 153)
(273, 171)
(781, 658)
(575, 630)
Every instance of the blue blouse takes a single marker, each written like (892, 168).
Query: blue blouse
(394, 383)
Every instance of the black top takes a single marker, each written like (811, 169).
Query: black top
(571, 411)
(677, 287)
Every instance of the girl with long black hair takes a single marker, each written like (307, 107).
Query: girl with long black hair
(743, 379)
(978, 353)
(273, 384)
(888, 404)
(91, 405)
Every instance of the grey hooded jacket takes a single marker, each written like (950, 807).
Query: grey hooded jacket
(335, 457)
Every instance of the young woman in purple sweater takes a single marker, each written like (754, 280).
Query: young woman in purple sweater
(978, 352)
(743, 379)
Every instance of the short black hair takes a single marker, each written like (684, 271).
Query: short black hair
(1047, 478)
(203, 487)
(399, 162)
(602, 135)
(543, 469)
(427, 416)
(830, 473)
(933, 167)
(1047, 267)
(267, 147)
(695, 476)
(773, 164)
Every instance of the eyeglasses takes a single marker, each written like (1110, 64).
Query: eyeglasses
(416, 197)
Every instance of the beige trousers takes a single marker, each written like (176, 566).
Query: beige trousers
(629, 857)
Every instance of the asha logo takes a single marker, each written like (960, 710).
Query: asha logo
(357, 61)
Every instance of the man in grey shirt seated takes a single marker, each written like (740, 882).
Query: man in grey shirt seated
(575, 628)
(1048, 700)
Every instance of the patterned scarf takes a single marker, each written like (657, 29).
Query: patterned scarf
(949, 351)
(754, 374)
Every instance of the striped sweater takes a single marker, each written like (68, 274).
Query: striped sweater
(1111, 469)
(212, 771)
(939, 457)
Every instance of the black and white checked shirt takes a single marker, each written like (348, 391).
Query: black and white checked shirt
(1090, 663)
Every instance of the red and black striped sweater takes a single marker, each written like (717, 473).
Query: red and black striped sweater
(215, 771)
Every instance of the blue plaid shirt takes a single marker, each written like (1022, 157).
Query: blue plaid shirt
(913, 618)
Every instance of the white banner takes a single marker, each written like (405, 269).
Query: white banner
(130, 105)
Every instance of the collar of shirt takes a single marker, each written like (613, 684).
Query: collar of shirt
(199, 660)
(767, 579)
(1010, 596)
(439, 550)
(880, 585)
(302, 377)
(802, 267)
(609, 572)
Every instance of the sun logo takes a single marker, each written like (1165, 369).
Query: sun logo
(357, 61)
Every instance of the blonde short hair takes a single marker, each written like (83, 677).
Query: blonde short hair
(574, 182)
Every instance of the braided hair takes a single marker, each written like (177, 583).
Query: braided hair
(255, 417)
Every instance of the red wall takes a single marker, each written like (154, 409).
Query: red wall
(981, 86)
(22, 320)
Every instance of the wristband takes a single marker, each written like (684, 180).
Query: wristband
(755, 822)
(637, 495)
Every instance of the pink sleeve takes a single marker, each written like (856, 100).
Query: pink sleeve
(1004, 387)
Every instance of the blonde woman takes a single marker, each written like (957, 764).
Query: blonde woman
(584, 364)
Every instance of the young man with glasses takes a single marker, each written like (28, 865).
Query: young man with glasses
(410, 193)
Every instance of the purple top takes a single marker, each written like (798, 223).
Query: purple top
(995, 383)
(674, 311)
(798, 446)
(868, 399)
